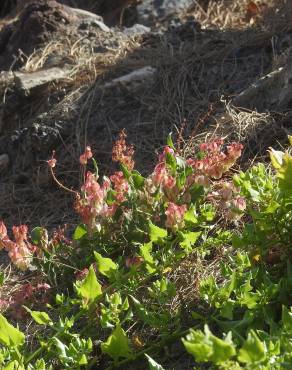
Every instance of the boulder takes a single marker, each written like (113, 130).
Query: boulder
(151, 10)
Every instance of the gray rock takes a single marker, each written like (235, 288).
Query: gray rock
(4, 161)
(150, 10)
(26, 82)
(136, 30)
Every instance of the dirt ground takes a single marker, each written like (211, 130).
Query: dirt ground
(201, 60)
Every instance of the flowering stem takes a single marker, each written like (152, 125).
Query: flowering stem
(61, 185)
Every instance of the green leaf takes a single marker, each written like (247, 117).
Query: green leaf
(227, 310)
(38, 234)
(9, 335)
(95, 167)
(208, 347)
(126, 172)
(190, 216)
(111, 197)
(156, 233)
(89, 288)
(79, 232)
(83, 360)
(171, 161)
(2, 278)
(287, 319)
(13, 365)
(41, 318)
(61, 347)
(145, 251)
(253, 350)
(153, 365)
(105, 266)
(189, 239)
(290, 139)
(276, 157)
(138, 179)
(272, 207)
(196, 345)
(117, 344)
(169, 141)
(285, 174)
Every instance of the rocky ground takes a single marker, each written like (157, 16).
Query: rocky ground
(74, 73)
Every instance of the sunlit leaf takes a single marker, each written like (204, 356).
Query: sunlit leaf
(189, 239)
(138, 179)
(145, 251)
(153, 365)
(79, 232)
(39, 234)
(117, 344)
(253, 349)
(41, 318)
(9, 335)
(287, 319)
(276, 157)
(105, 266)
(156, 233)
(207, 347)
(169, 141)
(89, 288)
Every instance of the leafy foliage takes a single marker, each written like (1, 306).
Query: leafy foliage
(117, 296)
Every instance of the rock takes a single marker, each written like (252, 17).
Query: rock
(25, 83)
(133, 80)
(136, 30)
(86, 23)
(88, 18)
(35, 24)
(151, 10)
(272, 91)
(4, 162)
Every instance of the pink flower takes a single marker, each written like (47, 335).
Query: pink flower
(94, 193)
(166, 150)
(215, 162)
(227, 190)
(122, 152)
(52, 162)
(212, 147)
(20, 234)
(3, 235)
(175, 215)
(80, 275)
(4, 304)
(134, 261)
(239, 204)
(85, 156)
(121, 186)
(236, 207)
(21, 251)
(162, 177)
(20, 256)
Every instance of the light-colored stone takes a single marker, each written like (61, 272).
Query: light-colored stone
(26, 82)
(4, 162)
(134, 79)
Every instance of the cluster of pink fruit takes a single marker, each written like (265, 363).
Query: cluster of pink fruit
(162, 185)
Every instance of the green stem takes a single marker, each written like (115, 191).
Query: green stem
(33, 355)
